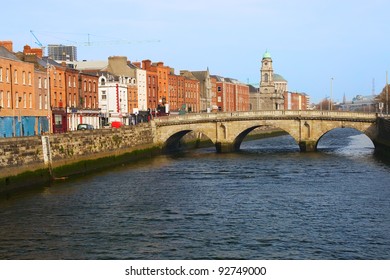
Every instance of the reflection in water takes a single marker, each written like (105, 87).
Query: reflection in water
(268, 201)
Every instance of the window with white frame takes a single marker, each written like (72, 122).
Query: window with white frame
(16, 100)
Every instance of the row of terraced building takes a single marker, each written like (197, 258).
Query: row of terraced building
(41, 95)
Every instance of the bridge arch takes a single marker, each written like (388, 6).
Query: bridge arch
(171, 140)
(245, 128)
(366, 129)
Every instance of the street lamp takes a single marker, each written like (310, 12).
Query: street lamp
(387, 95)
(331, 92)
(48, 102)
(20, 117)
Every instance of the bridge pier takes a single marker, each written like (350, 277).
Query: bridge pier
(308, 145)
(225, 147)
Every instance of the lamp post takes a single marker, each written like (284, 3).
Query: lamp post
(331, 92)
(48, 102)
(20, 116)
(387, 95)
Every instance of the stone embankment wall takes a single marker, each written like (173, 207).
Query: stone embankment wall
(24, 160)
(382, 143)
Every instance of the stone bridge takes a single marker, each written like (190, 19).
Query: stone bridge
(228, 130)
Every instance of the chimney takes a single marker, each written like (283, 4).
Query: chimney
(146, 64)
(137, 64)
(27, 50)
(8, 45)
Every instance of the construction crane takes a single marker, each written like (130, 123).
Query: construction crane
(90, 43)
(38, 42)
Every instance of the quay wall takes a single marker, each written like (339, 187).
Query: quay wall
(382, 141)
(24, 161)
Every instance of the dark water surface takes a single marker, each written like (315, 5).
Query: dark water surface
(268, 201)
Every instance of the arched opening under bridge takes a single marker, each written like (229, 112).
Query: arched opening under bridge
(186, 139)
(341, 139)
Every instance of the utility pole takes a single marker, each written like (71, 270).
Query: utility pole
(387, 95)
(331, 92)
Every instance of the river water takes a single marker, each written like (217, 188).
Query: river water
(268, 201)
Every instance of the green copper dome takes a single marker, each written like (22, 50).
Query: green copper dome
(267, 54)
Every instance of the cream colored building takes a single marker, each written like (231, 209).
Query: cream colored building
(269, 96)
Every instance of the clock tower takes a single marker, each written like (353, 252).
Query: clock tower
(270, 98)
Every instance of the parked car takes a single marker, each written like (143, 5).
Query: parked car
(84, 126)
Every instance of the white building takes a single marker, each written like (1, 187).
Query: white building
(116, 76)
(140, 75)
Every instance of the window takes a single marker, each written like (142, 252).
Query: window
(29, 78)
(7, 75)
(45, 83)
(89, 86)
(46, 101)
(58, 120)
(1, 74)
(69, 81)
(39, 82)
(40, 101)
(24, 78)
(16, 100)
(219, 89)
(30, 100)
(24, 100)
(74, 81)
(85, 85)
(8, 99)
(16, 76)
(266, 77)
(1, 100)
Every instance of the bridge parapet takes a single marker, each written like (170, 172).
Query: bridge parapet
(271, 114)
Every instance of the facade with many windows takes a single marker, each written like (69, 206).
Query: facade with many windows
(21, 113)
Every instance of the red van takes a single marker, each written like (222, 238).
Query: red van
(116, 124)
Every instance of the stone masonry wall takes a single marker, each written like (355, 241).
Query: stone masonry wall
(18, 155)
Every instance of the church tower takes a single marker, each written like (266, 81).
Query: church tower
(270, 98)
(267, 74)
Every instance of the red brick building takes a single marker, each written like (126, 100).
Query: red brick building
(21, 112)
(231, 95)
(157, 83)
(176, 87)
(295, 101)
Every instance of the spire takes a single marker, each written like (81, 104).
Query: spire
(267, 54)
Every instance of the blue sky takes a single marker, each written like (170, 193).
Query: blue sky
(310, 41)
